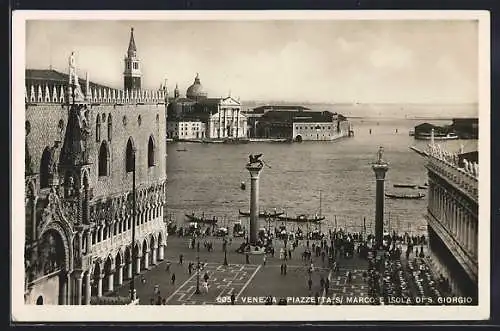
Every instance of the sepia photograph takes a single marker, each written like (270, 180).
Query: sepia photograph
(324, 161)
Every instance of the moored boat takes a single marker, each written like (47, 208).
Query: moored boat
(405, 185)
(262, 213)
(423, 187)
(405, 196)
(428, 136)
(302, 219)
(204, 220)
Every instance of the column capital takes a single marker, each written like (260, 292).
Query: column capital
(78, 274)
(380, 170)
(254, 170)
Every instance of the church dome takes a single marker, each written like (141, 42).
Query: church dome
(196, 91)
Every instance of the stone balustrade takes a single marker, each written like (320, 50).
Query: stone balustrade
(457, 177)
(101, 95)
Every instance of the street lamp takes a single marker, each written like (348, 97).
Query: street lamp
(197, 270)
(225, 251)
(133, 265)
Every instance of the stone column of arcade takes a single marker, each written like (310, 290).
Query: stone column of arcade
(380, 168)
(161, 252)
(120, 275)
(254, 168)
(88, 292)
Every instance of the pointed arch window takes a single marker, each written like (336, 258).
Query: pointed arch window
(110, 127)
(98, 129)
(44, 168)
(129, 156)
(151, 152)
(104, 160)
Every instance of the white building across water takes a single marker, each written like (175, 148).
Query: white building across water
(199, 117)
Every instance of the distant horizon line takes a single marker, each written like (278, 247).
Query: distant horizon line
(301, 103)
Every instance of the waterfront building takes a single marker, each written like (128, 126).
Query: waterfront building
(299, 125)
(425, 129)
(254, 115)
(186, 129)
(83, 141)
(218, 118)
(466, 128)
(452, 216)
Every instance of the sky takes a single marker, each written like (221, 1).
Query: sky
(332, 61)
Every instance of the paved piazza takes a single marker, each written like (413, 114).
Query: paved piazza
(253, 281)
(223, 281)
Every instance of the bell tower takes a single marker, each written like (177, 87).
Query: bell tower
(132, 73)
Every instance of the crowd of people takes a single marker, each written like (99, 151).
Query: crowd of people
(387, 274)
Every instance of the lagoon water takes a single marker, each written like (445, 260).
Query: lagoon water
(206, 178)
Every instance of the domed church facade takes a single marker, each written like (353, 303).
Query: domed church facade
(197, 116)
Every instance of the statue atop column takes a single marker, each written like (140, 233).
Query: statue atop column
(380, 154)
(254, 160)
(380, 157)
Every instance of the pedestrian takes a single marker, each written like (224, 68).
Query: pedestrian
(152, 301)
(247, 258)
(264, 260)
(349, 277)
(205, 286)
(143, 280)
(322, 282)
(327, 286)
(167, 266)
(190, 268)
(198, 246)
(282, 269)
(233, 298)
(181, 257)
(316, 298)
(290, 254)
(164, 302)
(310, 283)
(206, 277)
(158, 300)
(173, 278)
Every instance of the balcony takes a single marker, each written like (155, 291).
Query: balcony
(124, 239)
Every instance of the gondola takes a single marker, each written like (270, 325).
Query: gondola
(262, 213)
(405, 185)
(405, 196)
(203, 220)
(301, 219)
